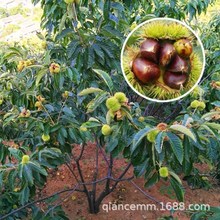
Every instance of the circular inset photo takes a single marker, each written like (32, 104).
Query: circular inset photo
(162, 59)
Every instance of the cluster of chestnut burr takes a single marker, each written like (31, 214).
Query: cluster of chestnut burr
(166, 57)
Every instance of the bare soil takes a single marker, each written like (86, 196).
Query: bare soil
(76, 205)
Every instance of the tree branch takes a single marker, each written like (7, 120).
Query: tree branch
(81, 153)
(108, 191)
(101, 150)
(71, 170)
(148, 196)
(75, 188)
(107, 187)
(93, 193)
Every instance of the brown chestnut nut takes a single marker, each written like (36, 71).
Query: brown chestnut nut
(174, 80)
(145, 70)
(178, 64)
(167, 52)
(150, 49)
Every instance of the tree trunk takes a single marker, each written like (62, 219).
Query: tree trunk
(93, 206)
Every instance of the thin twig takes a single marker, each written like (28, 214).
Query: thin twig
(205, 78)
(71, 170)
(121, 176)
(48, 114)
(76, 21)
(8, 168)
(81, 153)
(101, 150)
(148, 196)
(157, 109)
(63, 104)
(106, 192)
(107, 187)
(95, 175)
(59, 203)
(152, 108)
(173, 114)
(80, 172)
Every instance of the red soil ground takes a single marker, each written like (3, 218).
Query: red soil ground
(76, 205)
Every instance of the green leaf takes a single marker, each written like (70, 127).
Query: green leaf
(127, 113)
(91, 124)
(4, 75)
(62, 22)
(36, 167)
(119, 148)
(213, 125)
(71, 132)
(216, 103)
(153, 180)
(40, 75)
(91, 57)
(108, 50)
(69, 73)
(138, 137)
(59, 80)
(215, 209)
(187, 167)
(76, 75)
(140, 169)
(108, 117)
(49, 153)
(63, 132)
(49, 108)
(148, 172)
(98, 51)
(27, 174)
(47, 57)
(93, 119)
(173, 3)
(187, 148)
(198, 216)
(64, 33)
(107, 79)
(111, 145)
(176, 145)
(72, 47)
(106, 9)
(93, 104)
(216, 216)
(69, 112)
(109, 31)
(90, 91)
(159, 141)
(178, 189)
(209, 115)
(12, 54)
(184, 130)
(24, 195)
(16, 153)
(207, 128)
(61, 139)
(1, 180)
(175, 176)
(20, 171)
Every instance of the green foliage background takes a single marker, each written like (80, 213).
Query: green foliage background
(86, 40)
